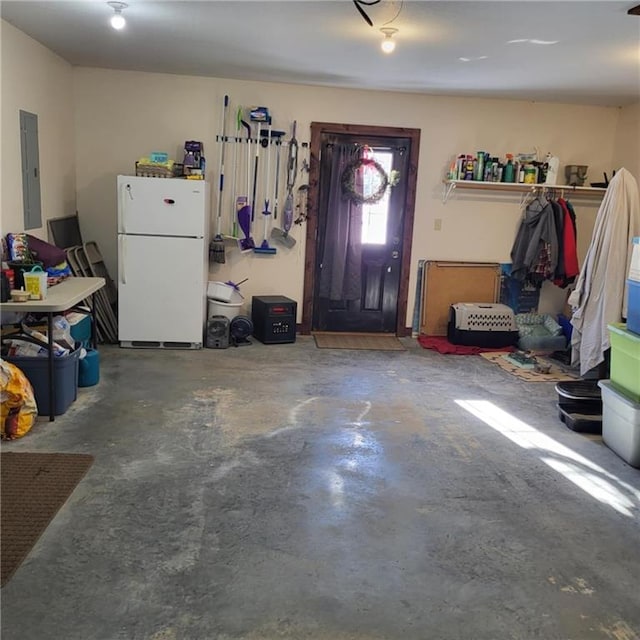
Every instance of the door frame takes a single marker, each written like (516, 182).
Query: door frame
(317, 130)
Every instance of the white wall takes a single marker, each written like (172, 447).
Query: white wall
(36, 80)
(121, 116)
(627, 141)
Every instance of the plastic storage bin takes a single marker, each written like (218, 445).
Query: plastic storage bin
(625, 360)
(620, 423)
(634, 267)
(633, 306)
(65, 372)
(220, 291)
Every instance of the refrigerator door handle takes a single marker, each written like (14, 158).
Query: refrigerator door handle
(122, 259)
(122, 208)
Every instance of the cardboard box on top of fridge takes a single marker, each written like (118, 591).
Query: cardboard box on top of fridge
(634, 267)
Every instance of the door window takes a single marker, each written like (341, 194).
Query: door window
(375, 216)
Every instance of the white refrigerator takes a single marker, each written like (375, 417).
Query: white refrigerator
(163, 261)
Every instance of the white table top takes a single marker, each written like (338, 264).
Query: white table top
(60, 297)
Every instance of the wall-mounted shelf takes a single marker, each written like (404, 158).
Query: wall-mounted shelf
(450, 185)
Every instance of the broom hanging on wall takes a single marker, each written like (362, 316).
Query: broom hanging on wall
(216, 248)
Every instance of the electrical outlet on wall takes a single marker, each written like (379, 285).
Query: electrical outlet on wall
(437, 224)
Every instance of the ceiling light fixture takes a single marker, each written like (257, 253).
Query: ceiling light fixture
(117, 20)
(388, 45)
(532, 41)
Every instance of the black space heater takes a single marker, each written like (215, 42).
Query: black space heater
(274, 319)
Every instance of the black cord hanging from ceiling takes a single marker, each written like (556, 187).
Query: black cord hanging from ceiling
(362, 12)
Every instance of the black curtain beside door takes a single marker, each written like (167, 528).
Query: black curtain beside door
(341, 264)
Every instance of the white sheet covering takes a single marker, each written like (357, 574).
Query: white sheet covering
(600, 295)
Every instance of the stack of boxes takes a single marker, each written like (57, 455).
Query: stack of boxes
(621, 394)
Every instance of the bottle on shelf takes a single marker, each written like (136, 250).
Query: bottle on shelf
(479, 167)
(553, 164)
(508, 174)
(468, 172)
(530, 174)
(488, 169)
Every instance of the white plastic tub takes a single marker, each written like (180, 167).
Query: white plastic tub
(620, 423)
(220, 291)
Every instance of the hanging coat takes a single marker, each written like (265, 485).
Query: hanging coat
(536, 238)
(600, 296)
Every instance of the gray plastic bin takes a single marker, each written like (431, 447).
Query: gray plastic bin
(620, 423)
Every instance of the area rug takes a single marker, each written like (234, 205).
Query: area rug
(442, 345)
(367, 341)
(34, 487)
(556, 373)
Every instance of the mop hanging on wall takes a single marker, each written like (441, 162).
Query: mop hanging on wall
(242, 202)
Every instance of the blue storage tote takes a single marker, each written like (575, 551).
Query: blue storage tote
(65, 372)
(633, 306)
(625, 360)
(634, 267)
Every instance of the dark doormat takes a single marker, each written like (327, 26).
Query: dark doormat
(367, 341)
(34, 487)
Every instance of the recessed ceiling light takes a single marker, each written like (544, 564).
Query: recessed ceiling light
(534, 41)
(473, 59)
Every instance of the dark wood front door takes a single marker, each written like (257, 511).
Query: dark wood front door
(378, 303)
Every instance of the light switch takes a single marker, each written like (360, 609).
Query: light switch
(437, 224)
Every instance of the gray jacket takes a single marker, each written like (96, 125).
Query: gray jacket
(537, 227)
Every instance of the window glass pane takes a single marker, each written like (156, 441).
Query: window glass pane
(374, 216)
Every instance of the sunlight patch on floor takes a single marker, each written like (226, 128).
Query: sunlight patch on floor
(588, 476)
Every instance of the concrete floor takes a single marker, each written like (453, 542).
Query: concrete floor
(286, 492)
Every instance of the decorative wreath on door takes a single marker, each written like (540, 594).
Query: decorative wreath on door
(371, 185)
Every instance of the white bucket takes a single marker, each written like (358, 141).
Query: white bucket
(218, 308)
